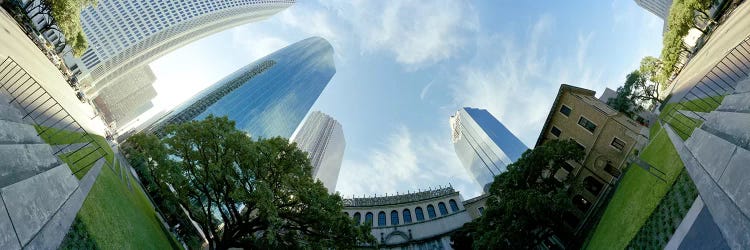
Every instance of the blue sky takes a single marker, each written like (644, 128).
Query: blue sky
(403, 67)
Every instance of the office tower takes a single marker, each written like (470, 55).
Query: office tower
(659, 8)
(269, 97)
(126, 109)
(124, 35)
(323, 139)
(139, 78)
(484, 146)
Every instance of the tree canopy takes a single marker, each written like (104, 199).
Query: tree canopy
(637, 91)
(67, 16)
(525, 203)
(246, 193)
(682, 17)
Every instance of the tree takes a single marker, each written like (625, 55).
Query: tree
(637, 91)
(525, 203)
(67, 16)
(650, 68)
(246, 193)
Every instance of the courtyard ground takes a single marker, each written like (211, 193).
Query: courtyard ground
(637, 195)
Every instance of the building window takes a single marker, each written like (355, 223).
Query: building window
(357, 217)
(592, 185)
(481, 210)
(394, 217)
(407, 216)
(565, 110)
(568, 167)
(555, 131)
(581, 203)
(419, 213)
(588, 125)
(617, 144)
(368, 218)
(612, 170)
(443, 210)
(381, 219)
(454, 206)
(431, 211)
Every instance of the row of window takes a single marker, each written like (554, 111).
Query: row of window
(585, 123)
(405, 214)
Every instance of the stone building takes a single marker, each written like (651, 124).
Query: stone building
(607, 137)
(421, 220)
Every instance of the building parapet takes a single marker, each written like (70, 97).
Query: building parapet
(398, 199)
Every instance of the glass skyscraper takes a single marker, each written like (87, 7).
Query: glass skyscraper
(323, 139)
(125, 35)
(483, 145)
(269, 97)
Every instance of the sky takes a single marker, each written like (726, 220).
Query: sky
(404, 67)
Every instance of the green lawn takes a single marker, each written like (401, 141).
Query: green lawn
(684, 125)
(82, 160)
(637, 194)
(116, 217)
(113, 216)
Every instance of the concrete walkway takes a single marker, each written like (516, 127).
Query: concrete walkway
(726, 36)
(15, 43)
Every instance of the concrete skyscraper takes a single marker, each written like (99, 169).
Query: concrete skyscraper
(323, 139)
(125, 35)
(269, 97)
(484, 146)
(126, 109)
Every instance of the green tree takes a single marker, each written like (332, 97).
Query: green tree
(246, 193)
(525, 203)
(637, 91)
(67, 16)
(650, 68)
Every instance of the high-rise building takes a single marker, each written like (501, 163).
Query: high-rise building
(484, 146)
(269, 97)
(660, 8)
(323, 139)
(124, 35)
(126, 109)
(137, 79)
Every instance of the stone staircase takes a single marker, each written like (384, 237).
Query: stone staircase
(39, 195)
(717, 157)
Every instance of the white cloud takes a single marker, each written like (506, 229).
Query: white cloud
(416, 33)
(405, 162)
(583, 46)
(426, 88)
(514, 79)
(255, 43)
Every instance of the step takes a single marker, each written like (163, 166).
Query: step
(32, 202)
(711, 151)
(20, 161)
(10, 113)
(731, 126)
(8, 238)
(739, 102)
(18, 133)
(53, 233)
(732, 220)
(742, 86)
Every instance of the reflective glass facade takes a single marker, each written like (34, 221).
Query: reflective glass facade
(484, 146)
(323, 139)
(269, 97)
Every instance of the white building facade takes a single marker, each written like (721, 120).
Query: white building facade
(421, 220)
(322, 137)
(125, 35)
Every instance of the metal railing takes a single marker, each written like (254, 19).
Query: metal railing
(71, 142)
(690, 110)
